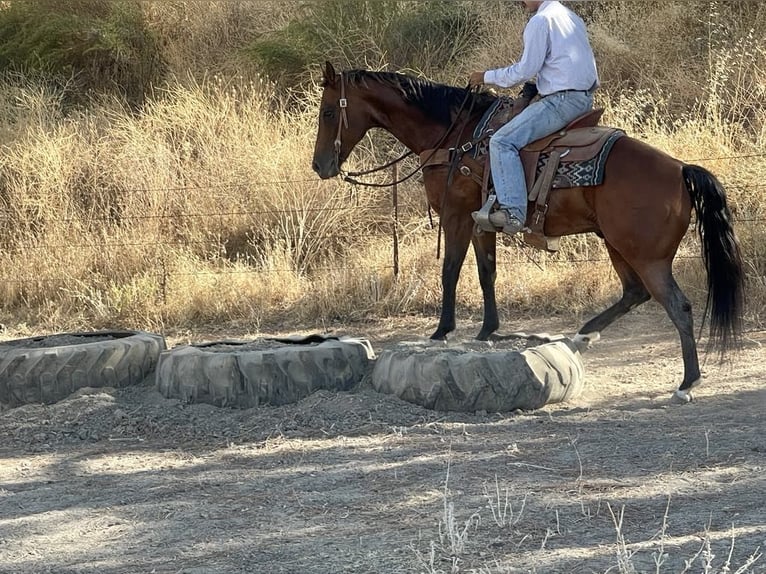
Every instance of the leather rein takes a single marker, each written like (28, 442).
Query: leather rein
(343, 123)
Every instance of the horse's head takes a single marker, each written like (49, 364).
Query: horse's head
(419, 113)
(342, 124)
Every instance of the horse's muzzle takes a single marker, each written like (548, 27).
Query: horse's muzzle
(326, 169)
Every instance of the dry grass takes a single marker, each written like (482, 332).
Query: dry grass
(203, 208)
(457, 531)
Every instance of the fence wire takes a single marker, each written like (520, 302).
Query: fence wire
(216, 244)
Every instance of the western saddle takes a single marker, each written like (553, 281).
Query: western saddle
(580, 141)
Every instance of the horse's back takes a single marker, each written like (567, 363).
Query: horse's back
(635, 164)
(642, 199)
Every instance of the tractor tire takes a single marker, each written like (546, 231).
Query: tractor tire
(262, 372)
(49, 368)
(475, 377)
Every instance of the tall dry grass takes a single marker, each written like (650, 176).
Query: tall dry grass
(199, 209)
(202, 208)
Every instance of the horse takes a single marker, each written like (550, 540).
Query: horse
(641, 210)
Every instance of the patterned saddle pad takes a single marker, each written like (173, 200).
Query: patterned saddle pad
(570, 173)
(580, 173)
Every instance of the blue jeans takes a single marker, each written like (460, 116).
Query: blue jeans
(540, 119)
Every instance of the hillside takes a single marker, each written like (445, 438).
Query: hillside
(155, 156)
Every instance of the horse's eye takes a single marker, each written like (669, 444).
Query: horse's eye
(328, 113)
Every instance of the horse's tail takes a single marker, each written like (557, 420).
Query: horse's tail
(721, 254)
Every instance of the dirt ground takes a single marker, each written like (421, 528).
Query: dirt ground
(618, 480)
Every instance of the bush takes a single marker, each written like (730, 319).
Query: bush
(102, 44)
(417, 36)
(434, 36)
(201, 37)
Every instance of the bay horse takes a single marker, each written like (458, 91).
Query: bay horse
(642, 209)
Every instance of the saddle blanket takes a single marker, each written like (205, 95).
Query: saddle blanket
(569, 173)
(580, 173)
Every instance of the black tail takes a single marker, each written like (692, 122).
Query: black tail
(723, 261)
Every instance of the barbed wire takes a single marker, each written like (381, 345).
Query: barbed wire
(217, 244)
(727, 158)
(252, 184)
(231, 186)
(315, 180)
(170, 215)
(734, 219)
(214, 233)
(214, 236)
(314, 269)
(190, 242)
(118, 217)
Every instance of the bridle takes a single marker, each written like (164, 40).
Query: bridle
(343, 119)
(343, 123)
(349, 177)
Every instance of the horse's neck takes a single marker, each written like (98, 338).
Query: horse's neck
(415, 131)
(410, 125)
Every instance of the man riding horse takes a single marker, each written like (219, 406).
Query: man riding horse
(640, 204)
(557, 52)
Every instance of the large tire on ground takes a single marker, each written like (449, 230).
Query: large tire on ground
(266, 371)
(480, 376)
(50, 368)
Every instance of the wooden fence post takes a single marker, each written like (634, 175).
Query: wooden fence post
(395, 226)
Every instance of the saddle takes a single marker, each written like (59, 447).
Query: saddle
(572, 157)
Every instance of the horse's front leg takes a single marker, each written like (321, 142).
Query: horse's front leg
(458, 229)
(485, 248)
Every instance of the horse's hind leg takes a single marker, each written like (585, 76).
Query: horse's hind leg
(639, 284)
(663, 287)
(633, 294)
(485, 249)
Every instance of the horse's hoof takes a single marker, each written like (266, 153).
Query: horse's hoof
(486, 334)
(583, 341)
(681, 397)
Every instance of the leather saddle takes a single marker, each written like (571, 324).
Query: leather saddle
(581, 143)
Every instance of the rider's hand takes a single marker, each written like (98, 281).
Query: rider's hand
(476, 79)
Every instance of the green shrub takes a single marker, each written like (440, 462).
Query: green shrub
(434, 36)
(103, 45)
(398, 34)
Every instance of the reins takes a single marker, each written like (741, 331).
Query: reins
(405, 155)
(349, 176)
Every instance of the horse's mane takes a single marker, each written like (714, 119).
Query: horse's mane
(437, 101)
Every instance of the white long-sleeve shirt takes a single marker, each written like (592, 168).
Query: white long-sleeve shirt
(556, 50)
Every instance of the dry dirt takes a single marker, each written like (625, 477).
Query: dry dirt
(129, 482)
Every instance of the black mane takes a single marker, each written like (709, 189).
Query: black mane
(437, 101)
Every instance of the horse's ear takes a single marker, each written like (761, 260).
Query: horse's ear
(329, 75)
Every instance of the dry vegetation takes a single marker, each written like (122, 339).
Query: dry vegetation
(201, 207)
(198, 210)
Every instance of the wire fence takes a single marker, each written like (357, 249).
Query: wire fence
(388, 217)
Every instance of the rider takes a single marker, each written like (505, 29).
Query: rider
(557, 51)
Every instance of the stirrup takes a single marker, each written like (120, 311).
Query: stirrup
(481, 217)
